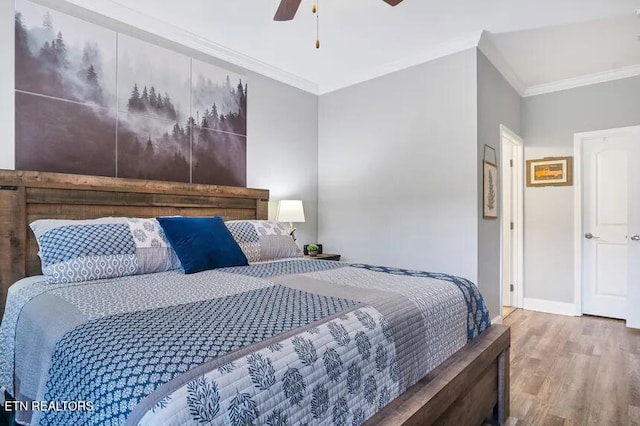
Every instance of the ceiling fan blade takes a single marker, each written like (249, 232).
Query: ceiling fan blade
(393, 2)
(287, 10)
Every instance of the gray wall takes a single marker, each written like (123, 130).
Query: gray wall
(548, 124)
(282, 151)
(498, 103)
(282, 123)
(398, 168)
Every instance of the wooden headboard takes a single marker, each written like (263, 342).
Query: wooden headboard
(26, 196)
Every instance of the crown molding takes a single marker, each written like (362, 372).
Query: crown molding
(442, 50)
(585, 80)
(121, 18)
(495, 57)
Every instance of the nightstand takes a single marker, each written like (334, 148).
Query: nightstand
(324, 256)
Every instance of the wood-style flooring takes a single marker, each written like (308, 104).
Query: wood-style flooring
(507, 310)
(573, 370)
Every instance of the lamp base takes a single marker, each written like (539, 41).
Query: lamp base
(292, 232)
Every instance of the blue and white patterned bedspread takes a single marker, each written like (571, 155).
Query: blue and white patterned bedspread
(289, 342)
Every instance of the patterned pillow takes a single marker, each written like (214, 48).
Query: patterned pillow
(263, 240)
(83, 250)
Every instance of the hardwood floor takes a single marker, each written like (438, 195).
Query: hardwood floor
(573, 370)
(507, 310)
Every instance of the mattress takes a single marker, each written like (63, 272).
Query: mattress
(294, 341)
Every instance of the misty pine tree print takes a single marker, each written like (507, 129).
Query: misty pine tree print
(169, 117)
(219, 107)
(65, 86)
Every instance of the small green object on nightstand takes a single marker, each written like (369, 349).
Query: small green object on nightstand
(312, 249)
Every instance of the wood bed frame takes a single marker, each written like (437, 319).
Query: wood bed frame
(471, 386)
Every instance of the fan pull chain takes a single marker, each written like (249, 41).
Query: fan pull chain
(314, 9)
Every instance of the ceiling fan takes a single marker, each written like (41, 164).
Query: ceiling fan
(288, 8)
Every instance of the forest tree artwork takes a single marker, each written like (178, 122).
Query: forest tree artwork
(93, 101)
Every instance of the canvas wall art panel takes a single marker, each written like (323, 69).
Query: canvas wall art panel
(219, 157)
(153, 148)
(154, 139)
(219, 105)
(90, 100)
(64, 57)
(65, 93)
(65, 137)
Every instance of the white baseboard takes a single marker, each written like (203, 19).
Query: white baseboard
(497, 320)
(633, 323)
(550, 306)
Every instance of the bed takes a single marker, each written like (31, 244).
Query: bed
(373, 344)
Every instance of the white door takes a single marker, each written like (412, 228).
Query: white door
(633, 300)
(611, 188)
(511, 216)
(507, 228)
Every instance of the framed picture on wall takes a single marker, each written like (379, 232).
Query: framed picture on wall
(550, 171)
(490, 190)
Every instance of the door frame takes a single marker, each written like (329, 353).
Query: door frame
(518, 200)
(578, 139)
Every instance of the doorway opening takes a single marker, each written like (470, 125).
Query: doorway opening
(512, 221)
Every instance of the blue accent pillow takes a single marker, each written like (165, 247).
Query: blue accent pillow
(202, 243)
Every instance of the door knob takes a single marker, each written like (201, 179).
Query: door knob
(590, 236)
(635, 237)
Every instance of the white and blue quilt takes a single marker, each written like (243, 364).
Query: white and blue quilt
(280, 343)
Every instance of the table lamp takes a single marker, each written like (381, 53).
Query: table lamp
(290, 211)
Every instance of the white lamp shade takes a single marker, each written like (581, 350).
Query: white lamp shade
(290, 211)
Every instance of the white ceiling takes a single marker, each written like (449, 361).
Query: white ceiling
(542, 41)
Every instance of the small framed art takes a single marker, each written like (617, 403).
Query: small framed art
(550, 171)
(490, 190)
